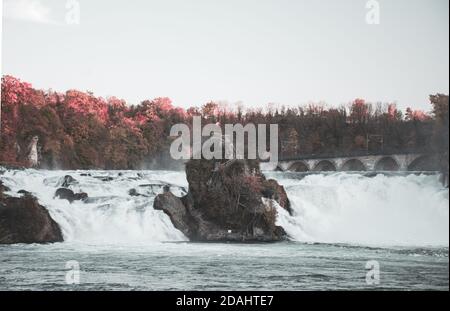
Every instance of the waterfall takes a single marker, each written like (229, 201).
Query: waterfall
(405, 210)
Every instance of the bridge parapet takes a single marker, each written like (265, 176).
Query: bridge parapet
(390, 162)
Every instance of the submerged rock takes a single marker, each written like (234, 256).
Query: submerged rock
(24, 192)
(69, 195)
(158, 186)
(67, 181)
(82, 196)
(133, 193)
(104, 178)
(99, 200)
(272, 190)
(3, 188)
(24, 220)
(226, 203)
(178, 213)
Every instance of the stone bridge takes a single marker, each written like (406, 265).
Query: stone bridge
(380, 162)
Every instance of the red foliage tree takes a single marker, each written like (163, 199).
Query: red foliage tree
(79, 130)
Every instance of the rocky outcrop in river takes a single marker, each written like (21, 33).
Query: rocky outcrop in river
(64, 193)
(227, 201)
(24, 220)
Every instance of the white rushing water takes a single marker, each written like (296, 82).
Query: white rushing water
(350, 208)
(338, 208)
(111, 215)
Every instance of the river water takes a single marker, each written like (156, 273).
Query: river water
(345, 227)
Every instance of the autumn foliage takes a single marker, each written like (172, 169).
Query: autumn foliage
(79, 130)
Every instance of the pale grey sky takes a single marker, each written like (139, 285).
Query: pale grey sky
(255, 51)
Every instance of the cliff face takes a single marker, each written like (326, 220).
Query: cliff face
(33, 157)
(23, 220)
(227, 201)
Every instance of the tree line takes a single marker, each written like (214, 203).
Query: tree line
(78, 130)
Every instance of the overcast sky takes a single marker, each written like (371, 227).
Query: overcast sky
(256, 51)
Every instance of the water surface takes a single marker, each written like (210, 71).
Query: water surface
(340, 223)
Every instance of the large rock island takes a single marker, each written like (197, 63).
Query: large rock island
(227, 201)
(24, 220)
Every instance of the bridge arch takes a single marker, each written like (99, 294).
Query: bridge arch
(325, 166)
(424, 163)
(299, 166)
(387, 164)
(353, 165)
